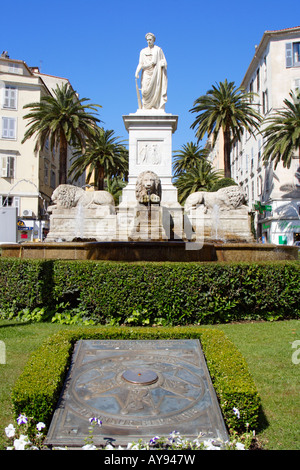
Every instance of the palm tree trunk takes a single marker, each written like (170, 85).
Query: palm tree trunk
(100, 179)
(227, 148)
(63, 158)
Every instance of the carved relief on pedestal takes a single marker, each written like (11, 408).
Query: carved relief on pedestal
(149, 152)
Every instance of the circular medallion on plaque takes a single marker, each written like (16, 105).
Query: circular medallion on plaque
(140, 377)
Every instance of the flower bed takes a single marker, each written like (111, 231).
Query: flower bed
(37, 390)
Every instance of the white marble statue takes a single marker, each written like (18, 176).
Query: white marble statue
(154, 80)
(67, 196)
(148, 185)
(228, 198)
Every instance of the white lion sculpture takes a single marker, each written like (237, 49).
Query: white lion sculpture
(148, 184)
(68, 196)
(231, 197)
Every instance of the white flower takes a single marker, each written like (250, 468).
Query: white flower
(22, 419)
(109, 447)
(173, 435)
(237, 413)
(89, 447)
(210, 446)
(239, 446)
(22, 442)
(10, 430)
(132, 446)
(95, 421)
(40, 426)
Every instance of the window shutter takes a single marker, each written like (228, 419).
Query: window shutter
(10, 97)
(12, 128)
(11, 167)
(6, 97)
(17, 204)
(296, 85)
(289, 54)
(4, 167)
(8, 128)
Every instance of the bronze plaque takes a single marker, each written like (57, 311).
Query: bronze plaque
(139, 389)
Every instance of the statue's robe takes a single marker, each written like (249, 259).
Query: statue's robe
(154, 78)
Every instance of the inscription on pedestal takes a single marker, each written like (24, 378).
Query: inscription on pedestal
(138, 389)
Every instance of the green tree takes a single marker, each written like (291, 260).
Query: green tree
(187, 157)
(223, 183)
(104, 156)
(199, 178)
(63, 120)
(282, 134)
(114, 185)
(228, 109)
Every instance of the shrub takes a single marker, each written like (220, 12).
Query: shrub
(152, 293)
(24, 284)
(37, 390)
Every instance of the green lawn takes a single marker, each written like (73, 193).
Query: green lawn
(267, 348)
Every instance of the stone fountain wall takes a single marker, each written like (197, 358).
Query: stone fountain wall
(77, 215)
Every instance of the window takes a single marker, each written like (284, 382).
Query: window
(8, 128)
(15, 68)
(292, 54)
(296, 53)
(252, 159)
(259, 185)
(296, 85)
(251, 90)
(259, 152)
(257, 81)
(265, 68)
(10, 201)
(10, 97)
(265, 102)
(7, 167)
(52, 179)
(6, 201)
(46, 172)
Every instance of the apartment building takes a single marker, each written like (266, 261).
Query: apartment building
(27, 178)
(273, 194)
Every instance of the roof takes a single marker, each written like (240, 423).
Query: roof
(262, 45)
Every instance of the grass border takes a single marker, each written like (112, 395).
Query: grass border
(37, 390)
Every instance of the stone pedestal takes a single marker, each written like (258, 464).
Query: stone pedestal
(149, 224)
(230, 225)
(67, 224)
(150, 149)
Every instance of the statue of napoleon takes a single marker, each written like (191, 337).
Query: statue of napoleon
(154, 76)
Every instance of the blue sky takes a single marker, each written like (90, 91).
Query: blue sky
(96, 44)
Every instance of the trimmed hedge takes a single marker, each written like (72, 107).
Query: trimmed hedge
(37, 390)
(153, 293)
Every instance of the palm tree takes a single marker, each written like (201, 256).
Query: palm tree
(199, 178)
(62, 120)
(104, 156)
(282, 134)
(187, 157)
(225, 108)
(114, 185)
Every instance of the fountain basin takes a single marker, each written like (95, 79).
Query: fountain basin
(255, 252)
(151, 251)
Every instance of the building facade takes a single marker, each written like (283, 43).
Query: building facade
(273, 194)
(27, 178)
